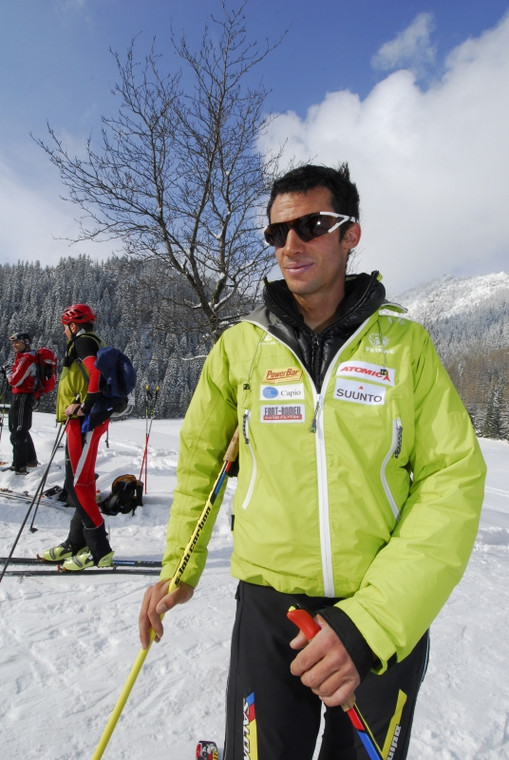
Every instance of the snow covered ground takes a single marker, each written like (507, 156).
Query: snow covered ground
(67, 643)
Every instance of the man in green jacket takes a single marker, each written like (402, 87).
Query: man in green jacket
(359, 491)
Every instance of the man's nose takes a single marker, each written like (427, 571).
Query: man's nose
(293, 242)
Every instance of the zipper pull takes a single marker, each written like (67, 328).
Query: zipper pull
(245, 423)
(399, 428)
(315, 415)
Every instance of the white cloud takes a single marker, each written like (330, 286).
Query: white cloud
(411, 48)
(431, 167)
(34, 224)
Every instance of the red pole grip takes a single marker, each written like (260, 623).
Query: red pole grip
(304, 621)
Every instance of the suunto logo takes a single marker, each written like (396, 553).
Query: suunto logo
(394, 743)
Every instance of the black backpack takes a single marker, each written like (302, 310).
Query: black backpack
(118, 381)
(126, 494)
(118, 374)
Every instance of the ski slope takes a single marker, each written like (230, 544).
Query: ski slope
(68, 643)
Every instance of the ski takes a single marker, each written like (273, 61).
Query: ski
(27, 498)
(45, 569)
(207, 750)
(127, 563)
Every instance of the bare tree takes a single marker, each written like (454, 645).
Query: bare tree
(176, 176)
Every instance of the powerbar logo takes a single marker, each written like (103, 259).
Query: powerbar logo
(282, 375)
(249, 737)
(363, 393)
(364, 370)
(394, 743)
(283, 413)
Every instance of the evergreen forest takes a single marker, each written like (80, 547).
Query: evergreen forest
(131, 315)
(137, 313)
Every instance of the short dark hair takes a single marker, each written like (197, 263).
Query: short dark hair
(24, 337)
(344, 194)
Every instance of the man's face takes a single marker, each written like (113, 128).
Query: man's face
(313, 268)
(68, 332)
(18, 346)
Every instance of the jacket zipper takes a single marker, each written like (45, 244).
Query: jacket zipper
(395, 450)
(323, 488)
(245, 433)
(323, 509)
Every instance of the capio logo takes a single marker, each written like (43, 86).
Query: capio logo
(285, 392)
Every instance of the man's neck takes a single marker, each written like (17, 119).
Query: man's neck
(318, 312)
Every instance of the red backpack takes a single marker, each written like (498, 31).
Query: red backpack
(46, 377)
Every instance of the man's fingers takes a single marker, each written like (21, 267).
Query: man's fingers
(335, 684)
(326, 668)
(149, 618)
(180, 595)
(324, 645)
(299, 642)
(156, 602)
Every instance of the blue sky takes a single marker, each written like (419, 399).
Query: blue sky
(413, 95)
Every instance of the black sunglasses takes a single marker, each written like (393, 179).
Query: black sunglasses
(307, 227)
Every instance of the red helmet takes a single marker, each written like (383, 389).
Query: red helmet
(78, 313)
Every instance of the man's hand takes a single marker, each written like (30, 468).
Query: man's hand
(325, 666)
(73, 408)
(155, 603)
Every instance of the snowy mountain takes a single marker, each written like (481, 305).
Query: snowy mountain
(452, 296)
(458, 312)
(468, 320)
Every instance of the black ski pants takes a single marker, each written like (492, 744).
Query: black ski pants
(20, 422)
(271, 715)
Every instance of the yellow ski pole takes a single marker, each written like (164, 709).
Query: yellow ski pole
(228, 460)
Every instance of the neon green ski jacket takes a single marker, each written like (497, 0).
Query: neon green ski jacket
(369, 490)
(73, 382)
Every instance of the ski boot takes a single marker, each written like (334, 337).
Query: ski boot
(85, 559)
(59, 553)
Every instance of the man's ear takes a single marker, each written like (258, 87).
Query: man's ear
(352, 235)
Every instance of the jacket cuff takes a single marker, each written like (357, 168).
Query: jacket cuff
(87, 405)
(351, 638)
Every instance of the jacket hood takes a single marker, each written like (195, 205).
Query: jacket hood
(364, 293)
(279, 315)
